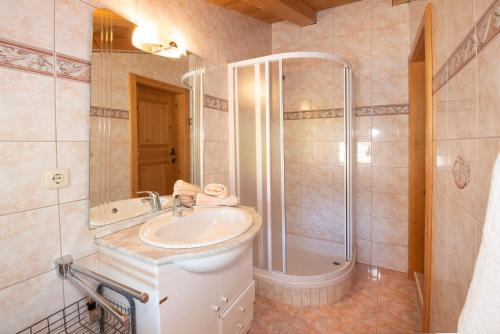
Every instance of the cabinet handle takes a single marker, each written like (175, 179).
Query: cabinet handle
(215, 308)
(240, 326)
(225, 299)
(242, 308)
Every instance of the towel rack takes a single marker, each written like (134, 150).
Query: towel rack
(66, 269)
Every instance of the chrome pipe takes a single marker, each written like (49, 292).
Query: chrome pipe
(123, 318)
(140, 296)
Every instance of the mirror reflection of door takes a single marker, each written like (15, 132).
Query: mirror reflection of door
(160, 135)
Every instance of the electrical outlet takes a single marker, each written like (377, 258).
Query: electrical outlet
(57, 178)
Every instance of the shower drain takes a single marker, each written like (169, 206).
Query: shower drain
(336, 263)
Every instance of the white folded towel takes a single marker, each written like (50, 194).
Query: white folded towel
(207, 200)
(481, 312)
(217, 190)
(185, 189)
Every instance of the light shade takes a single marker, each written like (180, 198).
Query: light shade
(145, 38)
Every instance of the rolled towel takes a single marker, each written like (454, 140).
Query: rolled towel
(185, 189)
(217, 190)
(207, 200)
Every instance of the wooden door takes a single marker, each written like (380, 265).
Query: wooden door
(156, 110)
(421, 161)
(159, 127)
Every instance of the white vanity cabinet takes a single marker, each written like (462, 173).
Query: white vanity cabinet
(182, 302)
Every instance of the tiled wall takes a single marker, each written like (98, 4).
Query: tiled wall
(374, 36)
(466, 142)
(45, 123)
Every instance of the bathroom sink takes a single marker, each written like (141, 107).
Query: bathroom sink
(124, 209)
(198, 228)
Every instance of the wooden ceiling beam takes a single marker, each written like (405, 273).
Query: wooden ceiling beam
(296, 11)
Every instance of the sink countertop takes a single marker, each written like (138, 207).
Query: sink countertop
(128, 243)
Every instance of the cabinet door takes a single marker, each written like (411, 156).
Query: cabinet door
(193, 309)
(235, 277)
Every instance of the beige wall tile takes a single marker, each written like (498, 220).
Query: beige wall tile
(390, 65)
(73, 25)
(215, 157)
(319, 36)
(390, 153)
(26, 163)
(390, 206)
(390, 179)
(74, 155)
(390, 231)
(352, 18)
(73, 109)
(20, 304)
(363, 203)
(462, 118)
(440, 113)
(390, 91)
(354, 44)
(364, 178)
(440, 39)
(390, 256)
(385, 14)
(27, 101)
(284, 34)
(76, 238)
(364, 251)
(30, 243)
(35, 16)
(364, 152)
(393, 38)
(488, 150)
(363, 227)
(460, 19)
(393, 127)
(488, 97)
(363, 128)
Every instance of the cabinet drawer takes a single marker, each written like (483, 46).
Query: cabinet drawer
(237, 317)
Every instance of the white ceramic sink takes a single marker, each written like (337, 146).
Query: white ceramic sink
(124, 209)
(201, 227)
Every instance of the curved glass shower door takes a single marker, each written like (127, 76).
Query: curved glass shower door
(290, 155)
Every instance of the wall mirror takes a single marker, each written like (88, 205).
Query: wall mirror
(146, 120)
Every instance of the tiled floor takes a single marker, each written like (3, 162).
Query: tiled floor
(380, 301)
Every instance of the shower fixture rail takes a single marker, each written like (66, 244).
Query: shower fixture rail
(77, 318)
(66, 269)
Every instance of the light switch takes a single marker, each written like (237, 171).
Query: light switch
(57, 178)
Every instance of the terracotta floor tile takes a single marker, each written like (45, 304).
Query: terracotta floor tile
(380, 301)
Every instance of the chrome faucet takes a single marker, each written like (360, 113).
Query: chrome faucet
(154, 199)
(178, 207)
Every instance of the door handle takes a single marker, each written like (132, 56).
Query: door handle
(172, 155)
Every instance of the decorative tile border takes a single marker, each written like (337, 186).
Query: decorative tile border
(461, 172)
(24, 57)
(393, 109)
(109, 113)
(478, 37)
(216, 103)
(73, 68)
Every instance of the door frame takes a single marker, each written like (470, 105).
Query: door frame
(420, 72)
(182, 126)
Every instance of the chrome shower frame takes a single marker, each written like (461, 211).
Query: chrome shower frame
(234, 168)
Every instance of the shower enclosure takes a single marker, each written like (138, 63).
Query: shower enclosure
(291, 143)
